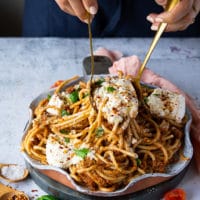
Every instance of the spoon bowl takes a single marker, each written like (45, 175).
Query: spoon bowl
(12, 167)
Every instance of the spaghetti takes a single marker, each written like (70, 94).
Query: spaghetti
(99, 152)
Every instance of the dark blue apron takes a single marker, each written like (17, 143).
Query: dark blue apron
(115, 18)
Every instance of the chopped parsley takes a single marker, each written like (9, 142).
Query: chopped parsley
(64, 131)
(85, 95)
(110, 89)
(99, 81)
(138, 162)
(146, 100)
(99, 131)
(48, 96)
(74, 96)
(67, 140)
(81, 152)
(156, 95)
(47, 197)
(64, 112)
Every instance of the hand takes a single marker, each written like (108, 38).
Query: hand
(79, 8)
(179, 18)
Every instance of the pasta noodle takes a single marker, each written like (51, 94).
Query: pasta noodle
(99, 154)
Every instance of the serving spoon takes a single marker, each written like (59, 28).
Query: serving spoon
(92, 102)
(12, 166)
(170, 5)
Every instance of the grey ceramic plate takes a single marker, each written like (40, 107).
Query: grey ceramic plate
(139, 183)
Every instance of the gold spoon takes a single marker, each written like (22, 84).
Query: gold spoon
(170, 5)
(25, 174)
(9, 193)
(92, 61)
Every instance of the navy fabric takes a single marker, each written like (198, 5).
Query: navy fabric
(115, 18)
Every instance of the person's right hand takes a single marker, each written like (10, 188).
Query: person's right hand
(79, 8)
(179, 18)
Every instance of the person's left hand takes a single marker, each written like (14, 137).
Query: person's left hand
(179, 18)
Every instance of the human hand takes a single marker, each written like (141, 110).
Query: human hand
(179, 18)
(79, 8)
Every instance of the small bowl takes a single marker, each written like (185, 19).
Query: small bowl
(137, 184)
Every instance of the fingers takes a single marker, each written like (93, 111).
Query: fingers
(161, 2)
(65, 6)
(179, 18)
(178, 12)
(91, 6)
(79, 8)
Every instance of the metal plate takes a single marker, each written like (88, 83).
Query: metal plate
(143, 180)
(64, 193)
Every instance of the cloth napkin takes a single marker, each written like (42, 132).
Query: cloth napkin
(130, 66)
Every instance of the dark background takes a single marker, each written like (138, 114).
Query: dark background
(11, 13)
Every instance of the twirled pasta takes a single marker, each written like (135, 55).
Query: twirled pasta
(119, 152)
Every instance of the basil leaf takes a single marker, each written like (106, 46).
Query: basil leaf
(99, 131)
(138, 162)
(64, 112)
(67, 140)
(48, 96)
(47, 197)
(99, 81)
(63, 131)
(146, 100)
(74, 96)
(110, 89)
(85, 95)
(81, 152)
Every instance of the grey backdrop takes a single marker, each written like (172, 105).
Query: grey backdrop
(11, 13)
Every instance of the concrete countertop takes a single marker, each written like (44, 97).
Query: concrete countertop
(28, 66)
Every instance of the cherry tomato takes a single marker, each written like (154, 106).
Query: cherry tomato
(175, 194)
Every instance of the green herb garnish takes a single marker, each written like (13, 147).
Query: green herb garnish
(47, 197)
(81, 152)
(85, 95)
(110, 89)
(64, 131)
(48, 96)
(64, 112)
(138, 162)
(99, 131)
(146, 100)
(74, 96)
(67, 140)
(99, 81)
(156, 95)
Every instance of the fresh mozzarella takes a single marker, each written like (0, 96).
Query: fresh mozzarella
(167, 104)
(121, 99)
(57, 152)
(62, 154)
(56, 104)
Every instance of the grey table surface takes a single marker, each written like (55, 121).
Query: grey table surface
(28, 66)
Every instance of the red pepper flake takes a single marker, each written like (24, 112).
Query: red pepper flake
(57, 83)
(34, 190)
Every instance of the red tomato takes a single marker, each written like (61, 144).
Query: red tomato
(175, 194)
(57, 83)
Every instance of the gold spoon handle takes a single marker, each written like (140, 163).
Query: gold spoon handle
(169, 6)
(91, 47)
